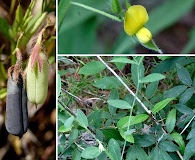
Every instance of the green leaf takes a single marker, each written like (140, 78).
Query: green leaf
(62, 9)
(114, 149)
(159, 154)
(137, 72)
(123, 122)
(69, 122)
(96, 116)
(82, 119)
(99, 134)
(76, 155)
(62, 117)
(186, 95)
(74, 28)
(3, 93)
(168, 146)
(184, 75)
(183, 109)
(108, 83)
(169, 64)
(193, 83)
(113, 96)
(135, 153)
(176, 12)
(119, 104)
(62, 139)
(19, 16)
(128, 138)
(111, 133)
(152, 78)
(163, 58)
(3, 74)
(62, 129)
(67, 125)
(190, 44)
(179, 140)
(123, 60)
(67, 71)
(160, 105)
(92, 68)
(190, 149)
(129, 132)
(90, 153)
(171, 120)
(59, 85)
(152, 46)
(151, 89)
(4, 28)
(127, 4)
(191, 134)
(145, 140)
(73, 136)
(137, 119)
(31, 28)
(60, 107)
(175, 91)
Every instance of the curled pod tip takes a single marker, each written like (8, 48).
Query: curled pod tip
(37, 79)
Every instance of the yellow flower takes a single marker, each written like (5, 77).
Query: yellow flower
(135, 19)
(144, 35)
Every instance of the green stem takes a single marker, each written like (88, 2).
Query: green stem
(97, 11)
(131, 110)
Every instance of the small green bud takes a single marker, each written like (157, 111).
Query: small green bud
(116, 7)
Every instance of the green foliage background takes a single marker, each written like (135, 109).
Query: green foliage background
(83, 31)
(92, 101)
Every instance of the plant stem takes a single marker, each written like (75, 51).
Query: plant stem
(97, 11)
(66, 108)
(131, 111)
(130, 91)
(187, 125)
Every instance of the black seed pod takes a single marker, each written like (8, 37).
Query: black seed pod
(16, 100)
(16, 107)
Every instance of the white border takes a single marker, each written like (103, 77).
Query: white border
(56, 56)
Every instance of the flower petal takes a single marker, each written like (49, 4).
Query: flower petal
(135, 18)
(144, 35)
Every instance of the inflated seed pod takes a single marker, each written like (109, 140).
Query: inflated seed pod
(16, 106)
(37, 78)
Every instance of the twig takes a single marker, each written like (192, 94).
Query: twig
(76, 98)
(71, 94)
(130, 91)
(187, 125)
(66, 107)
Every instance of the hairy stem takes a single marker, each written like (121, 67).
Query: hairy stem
(97, 11)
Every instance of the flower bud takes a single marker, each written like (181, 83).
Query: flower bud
(116, 7)
(144, 35)
(37, 78)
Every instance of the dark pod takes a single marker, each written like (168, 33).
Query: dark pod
(16, 107)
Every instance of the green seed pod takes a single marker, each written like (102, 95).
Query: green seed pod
(37, 78)
(16, 106)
